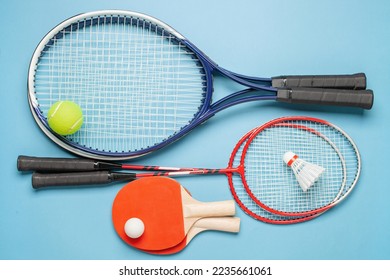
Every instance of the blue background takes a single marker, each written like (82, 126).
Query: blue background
(262, 38)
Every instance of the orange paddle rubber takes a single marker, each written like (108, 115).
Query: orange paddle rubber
(166, 209)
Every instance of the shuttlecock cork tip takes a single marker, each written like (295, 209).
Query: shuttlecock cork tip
(289, 157)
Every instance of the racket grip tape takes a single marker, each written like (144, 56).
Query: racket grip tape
(47, 164)
(354, 81)
(336, 97)
(42, 180)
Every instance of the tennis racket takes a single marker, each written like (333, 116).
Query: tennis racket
(142, 85)
(268, 181)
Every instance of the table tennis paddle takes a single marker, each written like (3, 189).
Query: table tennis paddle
(166, 209)
(227, 224)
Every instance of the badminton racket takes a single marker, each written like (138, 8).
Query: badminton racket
(268, 181)
(142, 85)
(45, 164)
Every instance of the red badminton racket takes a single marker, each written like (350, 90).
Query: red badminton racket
(268, 181)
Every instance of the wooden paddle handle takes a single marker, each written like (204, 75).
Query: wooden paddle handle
(229, 224)
(210, 209)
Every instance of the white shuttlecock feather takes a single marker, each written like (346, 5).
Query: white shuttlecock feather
(306, 173)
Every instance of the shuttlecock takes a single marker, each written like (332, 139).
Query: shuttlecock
(305, 172)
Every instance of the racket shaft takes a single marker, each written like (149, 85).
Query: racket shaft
(354, 81)
(42, 180)
(47, 164)
(351, 98)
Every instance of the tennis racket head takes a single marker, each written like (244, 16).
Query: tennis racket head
(272, 184)
(244, 200)
(137, 80)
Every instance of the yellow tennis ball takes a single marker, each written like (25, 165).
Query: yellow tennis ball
(65, 117)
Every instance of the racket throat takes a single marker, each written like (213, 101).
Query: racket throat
(239, 169)
(101, 165)
(118, 176)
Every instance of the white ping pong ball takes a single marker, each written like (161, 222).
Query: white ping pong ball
(134, 228)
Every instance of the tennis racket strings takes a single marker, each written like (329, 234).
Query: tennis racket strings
(138, 72)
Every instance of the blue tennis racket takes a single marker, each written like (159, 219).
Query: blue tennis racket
(142, 85)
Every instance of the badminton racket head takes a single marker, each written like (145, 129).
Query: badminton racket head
(272, 185)
(244, 200)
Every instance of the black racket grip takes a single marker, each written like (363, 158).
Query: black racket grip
(351, 98)
(47, 164)
(42, 180)
(353, 81)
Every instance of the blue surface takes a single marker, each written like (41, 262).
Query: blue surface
(249, 37)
